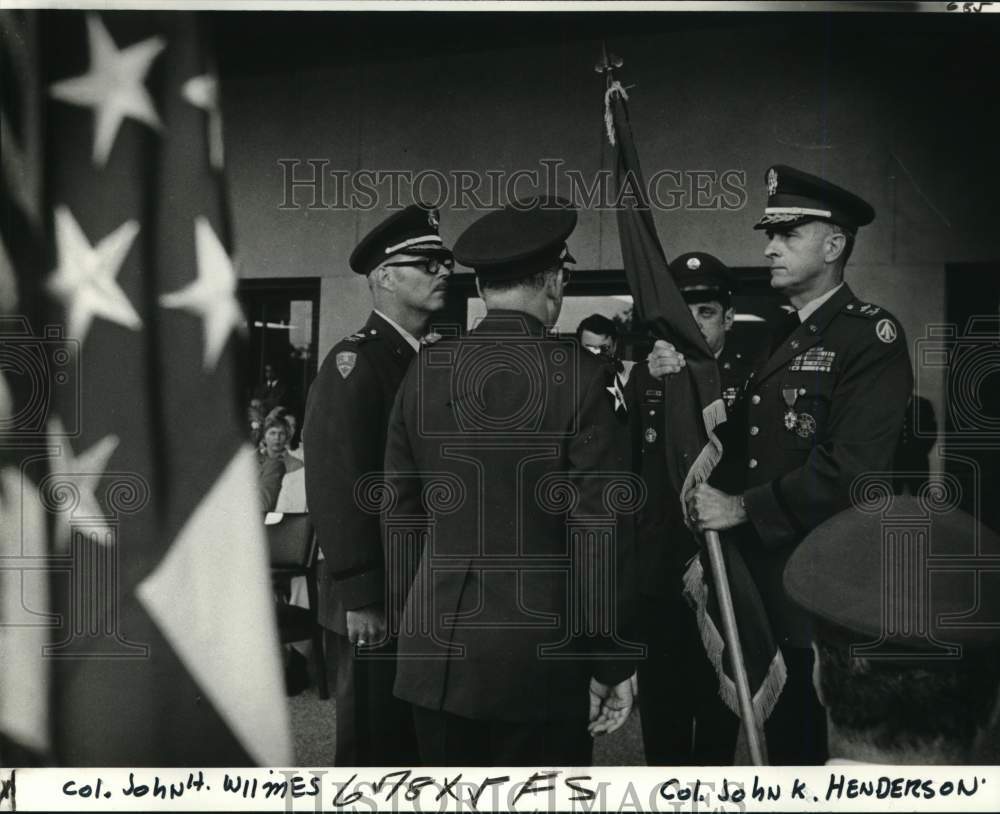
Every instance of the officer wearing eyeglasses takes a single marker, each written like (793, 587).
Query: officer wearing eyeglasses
(407, 266)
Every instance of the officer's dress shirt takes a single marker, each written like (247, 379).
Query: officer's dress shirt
(812, 306)
(411, 340)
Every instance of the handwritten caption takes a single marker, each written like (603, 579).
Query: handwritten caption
(829, 788)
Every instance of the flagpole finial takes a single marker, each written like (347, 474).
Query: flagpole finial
(608, 61)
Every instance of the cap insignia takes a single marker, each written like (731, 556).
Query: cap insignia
(432, 218)
(693, 263)
(772, 181)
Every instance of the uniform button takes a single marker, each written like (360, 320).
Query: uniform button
(652, 412)
(754, 430)
(802, 391)
(752, 463)
(755, 399)
(850, 307)
(727, 366)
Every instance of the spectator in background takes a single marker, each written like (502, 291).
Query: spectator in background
(599, 335)
(272, 390)
(292, 462)
(271, 461)
(255, 420)
(295, 448)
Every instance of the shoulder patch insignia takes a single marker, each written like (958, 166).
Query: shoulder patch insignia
(886, 331)
(346, 360)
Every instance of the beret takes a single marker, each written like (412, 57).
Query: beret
(912, 574)
(413, 230)
(525, 237)
(794, 197)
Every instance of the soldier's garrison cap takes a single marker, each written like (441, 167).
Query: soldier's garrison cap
(702, 277)
(525, 237)
(413, 230)
(794, 197)
(901, 574)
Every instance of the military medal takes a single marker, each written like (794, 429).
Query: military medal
(650, 435)
(790, 395)
(805, 426)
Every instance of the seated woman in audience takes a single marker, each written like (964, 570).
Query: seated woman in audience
(271, 461)
(293, 460)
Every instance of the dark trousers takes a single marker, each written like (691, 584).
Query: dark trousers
(451, 740)
(684, 722)
(374, 728)
(796, 730)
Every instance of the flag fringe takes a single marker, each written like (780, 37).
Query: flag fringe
(609, 123)
(712, 415)
(696, 591)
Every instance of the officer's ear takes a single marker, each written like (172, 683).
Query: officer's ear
(728, 318)
(834, 245)
(381, 277)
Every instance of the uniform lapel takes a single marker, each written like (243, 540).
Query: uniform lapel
(807, 334)
(399, 349)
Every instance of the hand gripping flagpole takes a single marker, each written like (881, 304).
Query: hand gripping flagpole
(606, 66)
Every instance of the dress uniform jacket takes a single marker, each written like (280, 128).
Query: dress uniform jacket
(827, 406)
(503, 441)
(346, 418)
(664, 544)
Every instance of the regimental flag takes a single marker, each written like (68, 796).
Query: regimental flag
(693, 409)
(166, 651)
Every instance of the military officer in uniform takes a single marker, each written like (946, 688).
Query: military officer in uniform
(700, 731)
(506, 446)
(407, 267)
(826, 406)
(902, 678)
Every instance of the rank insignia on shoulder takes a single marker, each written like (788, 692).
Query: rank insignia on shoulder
(346, 360)
(650, 435)
(886, 331)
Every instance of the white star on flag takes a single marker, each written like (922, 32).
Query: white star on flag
(113, 86)
(212, 295)
(203, 92)
(616, 393)
(85, 278)
(82, 472)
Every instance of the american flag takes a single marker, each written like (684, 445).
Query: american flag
(136, 610)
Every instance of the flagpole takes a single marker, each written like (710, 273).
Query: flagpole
(606, 66)
(732, 636)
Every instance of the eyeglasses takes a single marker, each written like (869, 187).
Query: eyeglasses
(428, 265)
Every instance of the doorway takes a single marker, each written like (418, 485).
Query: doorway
(283, 324)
